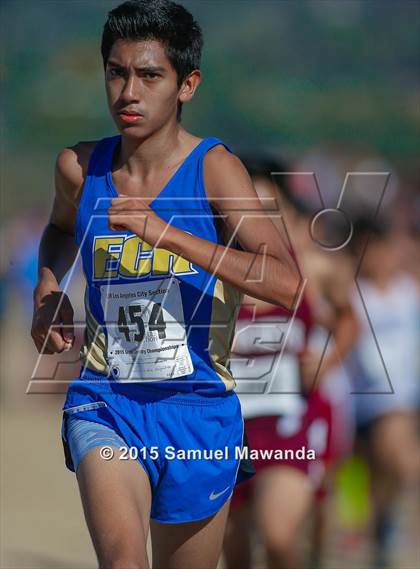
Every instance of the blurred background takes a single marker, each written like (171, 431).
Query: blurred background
(329, 87)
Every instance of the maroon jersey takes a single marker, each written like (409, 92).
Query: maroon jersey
(278, 418)
(265, 358)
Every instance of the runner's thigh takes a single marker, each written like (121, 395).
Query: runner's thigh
(193, 545)
(116, 499)
(283, 498)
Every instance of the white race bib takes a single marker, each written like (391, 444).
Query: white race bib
(146, 331)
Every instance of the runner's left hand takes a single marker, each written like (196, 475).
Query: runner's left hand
(135, 215)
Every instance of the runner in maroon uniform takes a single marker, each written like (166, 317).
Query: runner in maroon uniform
(284, 417)
(288, 420)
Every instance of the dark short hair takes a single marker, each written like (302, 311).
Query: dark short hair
(161, 20)
(376, 227)
(369, 228)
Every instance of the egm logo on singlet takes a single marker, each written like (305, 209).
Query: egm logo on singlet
(132, 258)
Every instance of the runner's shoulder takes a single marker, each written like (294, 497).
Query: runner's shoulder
(221, 167)
(71, 167)
(219, 157)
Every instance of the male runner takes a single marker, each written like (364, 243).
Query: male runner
(153, 211)
(274, 345)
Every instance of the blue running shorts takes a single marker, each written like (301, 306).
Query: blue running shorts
(190, 445)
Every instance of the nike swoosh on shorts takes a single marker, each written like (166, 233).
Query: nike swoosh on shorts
(213, 496)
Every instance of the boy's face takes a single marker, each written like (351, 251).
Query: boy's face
(141, 87)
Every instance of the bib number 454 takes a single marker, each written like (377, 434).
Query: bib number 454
(136, 314)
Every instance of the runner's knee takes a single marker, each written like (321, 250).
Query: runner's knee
(280, 541)
(405, 467)
(401, 464)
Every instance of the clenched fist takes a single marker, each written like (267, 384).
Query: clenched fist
(135, 215)
(52, 324)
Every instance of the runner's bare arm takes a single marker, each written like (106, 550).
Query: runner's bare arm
(264, 269)
(329, 290)
(336, 285)
(58, 250)
(331, 277)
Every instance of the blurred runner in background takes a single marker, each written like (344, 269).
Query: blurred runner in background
(385, 372)
(272, 348)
